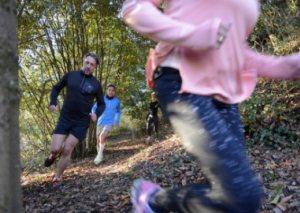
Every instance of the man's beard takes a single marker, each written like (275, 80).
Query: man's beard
(87, 71)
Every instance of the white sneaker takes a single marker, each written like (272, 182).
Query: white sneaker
(98, 159)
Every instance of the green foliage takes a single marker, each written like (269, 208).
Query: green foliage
(158, 171)
(124, 126)
(277, 30)
(271, 114)
(129, 174)
(276, 138)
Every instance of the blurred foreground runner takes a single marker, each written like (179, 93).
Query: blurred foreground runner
(201, 68)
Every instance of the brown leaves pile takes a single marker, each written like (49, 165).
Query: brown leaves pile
(106, 188)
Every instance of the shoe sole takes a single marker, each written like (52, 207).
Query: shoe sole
(134, 195)
(48, 164)
(97, 163)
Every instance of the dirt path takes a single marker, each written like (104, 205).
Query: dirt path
(106, 187)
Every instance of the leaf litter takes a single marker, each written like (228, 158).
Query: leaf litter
(106, 187)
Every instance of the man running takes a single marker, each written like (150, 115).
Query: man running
(106, 121)
(73, 122)
(152, 118)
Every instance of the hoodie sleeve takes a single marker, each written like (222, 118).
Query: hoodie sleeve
(286, 67)
(146, 18)
(57, 88)
(94, 108)
(118, 116)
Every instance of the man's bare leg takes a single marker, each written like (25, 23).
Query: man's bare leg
(56, 144)
(70, 143)
(101, 138)
(98, 143)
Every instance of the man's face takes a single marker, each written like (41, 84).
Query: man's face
(110, 92)
(89, 65)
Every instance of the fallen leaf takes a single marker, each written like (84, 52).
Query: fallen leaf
(189, 173)
(124, 197)
(183, 168)
(286, 199)
(183, 181)
(276, 199)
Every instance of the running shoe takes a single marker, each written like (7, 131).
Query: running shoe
(98, 159)
(148, 140)
(50, 160)
(56, 183)
(140, 192)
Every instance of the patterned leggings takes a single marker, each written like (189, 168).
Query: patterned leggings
(212, 132)
(152, 119)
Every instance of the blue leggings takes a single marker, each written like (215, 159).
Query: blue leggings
(212, 132)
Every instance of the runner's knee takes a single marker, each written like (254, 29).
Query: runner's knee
(67, 150)
(55, 150)
(102, 136)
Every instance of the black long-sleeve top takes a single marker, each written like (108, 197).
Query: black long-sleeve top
(153, 108)
(81, 91)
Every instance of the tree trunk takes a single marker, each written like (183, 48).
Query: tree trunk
(10, 167)
(88, 145)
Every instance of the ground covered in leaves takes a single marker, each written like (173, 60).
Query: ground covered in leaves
(106, 187)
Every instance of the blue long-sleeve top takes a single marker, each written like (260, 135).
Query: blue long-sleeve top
(112, 108)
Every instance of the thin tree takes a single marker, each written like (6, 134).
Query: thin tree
(10, 167)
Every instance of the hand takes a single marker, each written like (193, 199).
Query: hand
(222, 33)
(53, 108)
(93, 116)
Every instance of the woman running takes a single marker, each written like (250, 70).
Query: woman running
(152, 118)
(201, 68)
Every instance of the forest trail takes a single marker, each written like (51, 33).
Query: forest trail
(106, 187)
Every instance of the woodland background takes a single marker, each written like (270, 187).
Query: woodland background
(53, 37)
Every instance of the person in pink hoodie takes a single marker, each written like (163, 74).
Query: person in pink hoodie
(200, 70)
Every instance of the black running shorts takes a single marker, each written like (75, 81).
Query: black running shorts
(65, 128)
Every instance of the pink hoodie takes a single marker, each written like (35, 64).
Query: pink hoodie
(229, 73)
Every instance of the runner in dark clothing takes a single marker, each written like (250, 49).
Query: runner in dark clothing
(81, 91)
(152, 118)
(75, 115)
